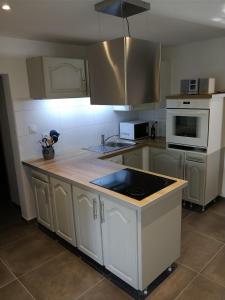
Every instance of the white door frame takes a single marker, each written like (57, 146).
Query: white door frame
(10, 145)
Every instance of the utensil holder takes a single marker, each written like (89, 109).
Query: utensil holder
(48, 152)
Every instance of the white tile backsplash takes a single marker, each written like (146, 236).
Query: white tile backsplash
(158, 115)
(79, 123)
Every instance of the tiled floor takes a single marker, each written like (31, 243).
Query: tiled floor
(34, 266)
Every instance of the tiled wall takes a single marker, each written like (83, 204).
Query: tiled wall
(79, 123)
(157, 114)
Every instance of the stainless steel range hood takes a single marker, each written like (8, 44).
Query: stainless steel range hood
(124, 71)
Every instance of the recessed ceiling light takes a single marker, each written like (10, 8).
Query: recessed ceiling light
(6, 7)
(217, 19)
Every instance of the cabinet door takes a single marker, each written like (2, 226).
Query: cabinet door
(195, 175)
(88, 226)
(43, 203)
(167, 162)
(119, 235)
(134, 159)
(63, 210)
(64, 77)
(116, 159)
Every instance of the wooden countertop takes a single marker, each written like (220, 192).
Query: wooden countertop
(83, 166)
(198, 96)
(159, 142)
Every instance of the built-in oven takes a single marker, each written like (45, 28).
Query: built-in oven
(187, 124)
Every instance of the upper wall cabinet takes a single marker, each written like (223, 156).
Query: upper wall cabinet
(52, 78)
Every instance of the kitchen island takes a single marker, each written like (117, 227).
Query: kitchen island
(134, 240)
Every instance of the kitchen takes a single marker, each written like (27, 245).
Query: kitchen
(80, 126)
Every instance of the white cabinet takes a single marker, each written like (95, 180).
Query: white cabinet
(167, 162)
(63, 210)
(43, 203)
(133, 159)
(118, 159)
(119, 236)
(195, 174)
(107, 232)
(52, 77)
(88, 224)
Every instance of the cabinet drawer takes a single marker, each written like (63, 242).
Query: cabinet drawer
(196, 157)
(40, 176)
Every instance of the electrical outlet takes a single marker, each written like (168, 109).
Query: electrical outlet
(32, 129)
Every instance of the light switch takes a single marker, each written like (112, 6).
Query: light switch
(33, 129)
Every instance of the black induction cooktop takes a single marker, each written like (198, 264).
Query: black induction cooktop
(132, 183)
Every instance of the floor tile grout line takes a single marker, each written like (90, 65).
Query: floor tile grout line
(205, 235)
(187, 267)
(33, 269)
(89, 289)
(206, 264)
(42, 264)
(7, 283)
(207, 211)
(214, 281)
(8, 268)
(200, 274)
(189, 283)
(17, 240)
(21, 283)
(209, 237)
(212, 258)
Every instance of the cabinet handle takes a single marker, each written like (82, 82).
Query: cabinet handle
(95, 214)
(102, 212)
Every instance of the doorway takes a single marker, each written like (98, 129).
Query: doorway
(9, 197)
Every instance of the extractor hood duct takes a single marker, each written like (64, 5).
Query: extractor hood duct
(124, 71)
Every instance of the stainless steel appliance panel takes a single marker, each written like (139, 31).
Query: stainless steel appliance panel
(107, 72)
(124, 71)
(143, 60)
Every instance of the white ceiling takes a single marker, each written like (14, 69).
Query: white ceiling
(75, 21)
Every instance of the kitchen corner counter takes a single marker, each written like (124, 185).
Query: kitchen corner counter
(158, 142)
(83, 166)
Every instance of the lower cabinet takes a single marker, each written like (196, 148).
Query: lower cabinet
(118, 159)
(167, 162)
(128, 242)
(88, 223)
(63, 210)
(43, 203)
(119, 237)
(107, 232)
(195, 174)
(133, 159)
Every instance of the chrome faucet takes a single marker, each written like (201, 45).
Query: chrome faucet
(103, 140)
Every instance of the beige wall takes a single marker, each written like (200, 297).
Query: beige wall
(199, 59)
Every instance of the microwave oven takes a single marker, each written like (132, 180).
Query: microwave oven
(134, 130)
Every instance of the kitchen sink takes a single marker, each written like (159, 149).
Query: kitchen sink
(119, 144)
(111, 146)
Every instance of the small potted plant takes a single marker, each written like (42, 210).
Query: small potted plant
(47, 143)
